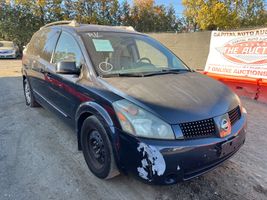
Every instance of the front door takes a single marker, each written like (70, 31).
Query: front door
(63, 88)
(40, 51)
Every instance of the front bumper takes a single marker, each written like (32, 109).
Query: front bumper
(168, 162)
(7, 55)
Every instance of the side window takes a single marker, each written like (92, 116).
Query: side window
(49, 37)
(43, 43)
(33, 47)
(67, 49)
(154, 55)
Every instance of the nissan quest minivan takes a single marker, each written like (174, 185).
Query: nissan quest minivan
(135, 106)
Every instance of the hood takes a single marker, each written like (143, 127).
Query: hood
(6, 48)
(177, 98)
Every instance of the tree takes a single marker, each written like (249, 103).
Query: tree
(191, 11)
(46, 10)
(108, 12)
(125, 13)
(224, 14)
(173, 23)
(85, 11)
(54, 10)
(143, 15)
(216, 15)
(18, 23)
(253, 13)
(68, 11)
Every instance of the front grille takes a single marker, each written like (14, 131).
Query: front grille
(234, 115)
(198, 129)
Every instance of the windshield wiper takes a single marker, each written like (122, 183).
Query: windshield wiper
(123, 75)
(144, 74)
(167, 71)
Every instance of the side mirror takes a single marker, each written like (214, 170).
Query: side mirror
(67, 67)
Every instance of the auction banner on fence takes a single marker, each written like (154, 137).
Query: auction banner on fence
(238, 53)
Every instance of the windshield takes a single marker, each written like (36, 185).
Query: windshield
(6, 44)
(126, 53)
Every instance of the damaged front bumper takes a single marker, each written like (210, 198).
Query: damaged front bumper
(168, 162)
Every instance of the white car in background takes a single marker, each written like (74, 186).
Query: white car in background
(8, 49)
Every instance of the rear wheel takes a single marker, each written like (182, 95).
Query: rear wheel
(97, 149)
(29, 98)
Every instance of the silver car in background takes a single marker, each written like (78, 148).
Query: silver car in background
(8, 49)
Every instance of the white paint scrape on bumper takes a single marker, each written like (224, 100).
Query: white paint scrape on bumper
(151, 158)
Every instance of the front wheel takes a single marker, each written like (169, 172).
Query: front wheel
(29, 98)
(97, 149)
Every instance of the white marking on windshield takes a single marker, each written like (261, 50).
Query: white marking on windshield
(105, 66)
(94, 35)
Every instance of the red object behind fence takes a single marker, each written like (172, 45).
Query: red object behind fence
(252, 88)
(263, 91)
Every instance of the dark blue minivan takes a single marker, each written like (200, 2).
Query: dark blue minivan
(135, 106)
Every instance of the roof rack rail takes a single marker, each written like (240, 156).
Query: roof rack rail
(73, 23)
(128, 28)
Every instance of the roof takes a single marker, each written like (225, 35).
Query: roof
(94, 27)
(89, 27)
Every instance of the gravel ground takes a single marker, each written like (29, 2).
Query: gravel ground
(39, 158)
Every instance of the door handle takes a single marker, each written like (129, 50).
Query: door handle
(52, 80)
(47, 75)
(49, 78)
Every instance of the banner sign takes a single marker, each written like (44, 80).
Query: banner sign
(238, 53)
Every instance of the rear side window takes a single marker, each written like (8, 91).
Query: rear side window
(67, 50)
(32, 47)
(43, 43)
(50, 37)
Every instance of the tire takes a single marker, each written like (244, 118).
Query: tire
(97, 149)
(28, 94)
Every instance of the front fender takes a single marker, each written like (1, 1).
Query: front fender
(94, 109)
(106, 115)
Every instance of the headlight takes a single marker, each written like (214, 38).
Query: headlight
(138, 122)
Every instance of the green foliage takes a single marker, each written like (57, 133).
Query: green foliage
(17, 23)
(254, 13)
(21, 18)
(224, 14)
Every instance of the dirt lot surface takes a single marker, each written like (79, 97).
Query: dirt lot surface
(39, 158)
